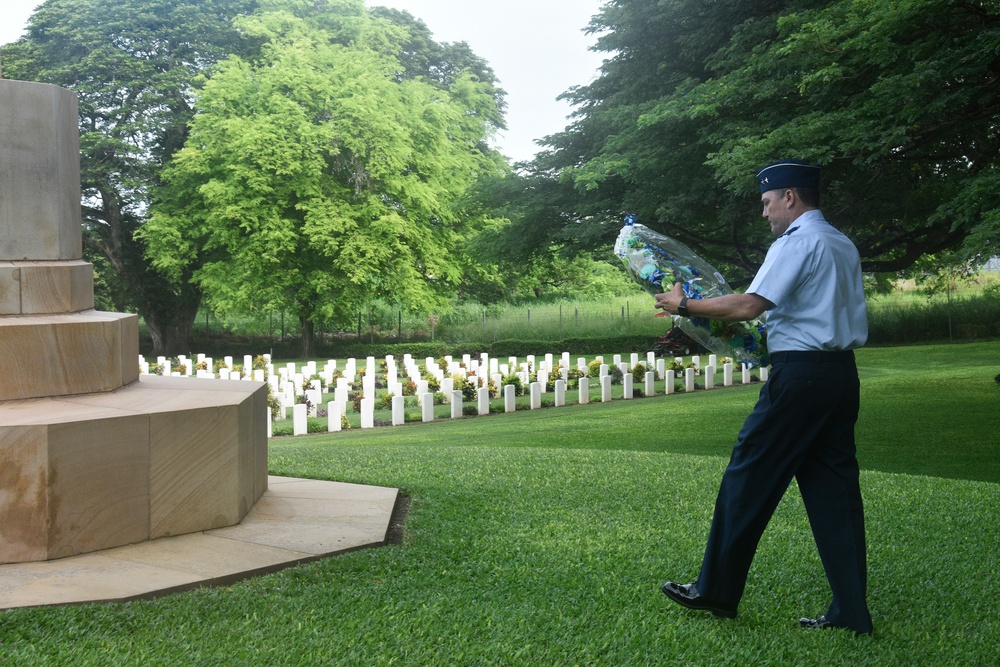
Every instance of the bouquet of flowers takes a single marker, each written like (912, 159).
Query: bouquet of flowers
(657, 262)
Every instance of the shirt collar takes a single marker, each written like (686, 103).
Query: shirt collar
(811, 217)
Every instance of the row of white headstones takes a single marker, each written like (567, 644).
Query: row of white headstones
(290, 383)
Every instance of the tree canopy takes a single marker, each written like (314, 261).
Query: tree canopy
(321, 174)
(897, 100)
(137, 65)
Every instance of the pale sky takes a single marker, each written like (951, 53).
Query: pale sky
(537, 49)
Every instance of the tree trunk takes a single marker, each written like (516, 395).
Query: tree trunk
(170, 321)
(307, 337)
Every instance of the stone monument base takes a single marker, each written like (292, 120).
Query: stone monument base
(91, 456)
(158, 457)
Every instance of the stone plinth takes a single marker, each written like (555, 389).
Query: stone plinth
(161, 457)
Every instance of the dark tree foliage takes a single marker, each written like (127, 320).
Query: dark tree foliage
(535, 205)
(897, 100)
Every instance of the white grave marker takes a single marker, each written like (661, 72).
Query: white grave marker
(334, 414)
(367, 413)
(543, 379)
(398, 410)
(300, 422)
(314, 396)
(483, 396)
(427, 407)
(605, 388)
(508, 398)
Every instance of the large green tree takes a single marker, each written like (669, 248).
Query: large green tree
(897, 100)
(320, 175)
(132, 63)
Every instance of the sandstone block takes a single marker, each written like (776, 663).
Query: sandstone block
(194, 478)
(57, 355)
(98, 477)
(37, 288)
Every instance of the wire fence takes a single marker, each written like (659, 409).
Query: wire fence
(891, 320)
(469, 323)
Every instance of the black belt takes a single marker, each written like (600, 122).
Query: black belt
(813, 356)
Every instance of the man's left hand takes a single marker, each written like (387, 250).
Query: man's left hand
(668, 301)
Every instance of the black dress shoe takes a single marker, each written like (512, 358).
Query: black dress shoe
(822, 624)
(686, 595)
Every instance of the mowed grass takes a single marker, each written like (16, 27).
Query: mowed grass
(542, 537)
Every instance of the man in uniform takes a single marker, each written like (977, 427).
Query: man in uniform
(803, 424)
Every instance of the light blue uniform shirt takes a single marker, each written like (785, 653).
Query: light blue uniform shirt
(812, 275)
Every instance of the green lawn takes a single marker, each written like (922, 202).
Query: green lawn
(542, 537)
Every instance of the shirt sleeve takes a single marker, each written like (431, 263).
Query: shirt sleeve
(779, 274)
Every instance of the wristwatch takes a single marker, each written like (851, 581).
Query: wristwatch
(682, 308)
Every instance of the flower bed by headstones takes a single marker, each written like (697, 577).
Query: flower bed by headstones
(365, 393)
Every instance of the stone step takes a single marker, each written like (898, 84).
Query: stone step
(295, 521)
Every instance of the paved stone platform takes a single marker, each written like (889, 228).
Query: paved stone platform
(295, 521)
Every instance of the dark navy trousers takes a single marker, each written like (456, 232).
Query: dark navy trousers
(801, 427)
